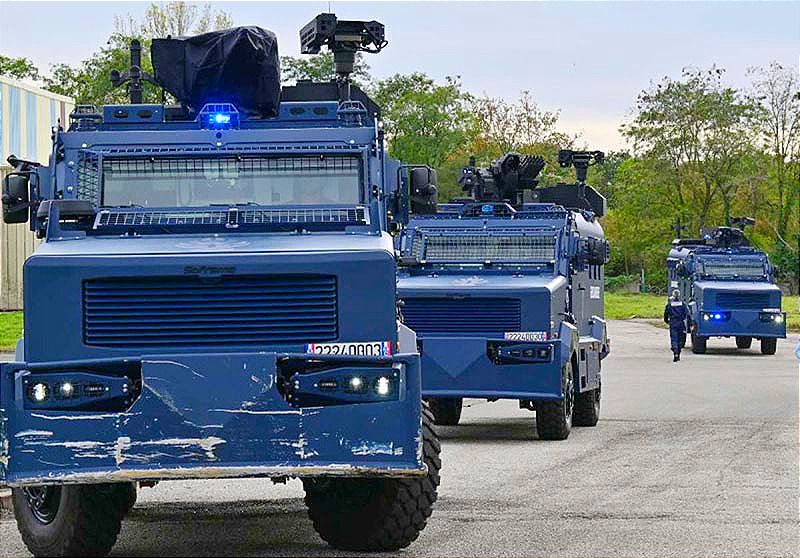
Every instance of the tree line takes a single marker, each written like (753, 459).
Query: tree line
(700, 151)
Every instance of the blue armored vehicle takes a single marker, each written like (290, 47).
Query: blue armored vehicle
(504, 290)
(215, 297)
(729, 287)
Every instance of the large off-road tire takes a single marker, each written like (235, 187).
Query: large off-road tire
(128, 495)
(72, 520)
(446, 410)
(769, 345)
(376, 514)
(699, 344)
(587, 408)
(744, 342)
(554, 418)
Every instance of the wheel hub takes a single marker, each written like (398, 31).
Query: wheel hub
(44, 502)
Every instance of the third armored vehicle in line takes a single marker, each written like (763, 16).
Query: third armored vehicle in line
(729, 287)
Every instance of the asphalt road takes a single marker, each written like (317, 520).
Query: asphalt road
(698, 458)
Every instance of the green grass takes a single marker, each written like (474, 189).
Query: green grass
(622, 306)
(619, 306)
(10, 330)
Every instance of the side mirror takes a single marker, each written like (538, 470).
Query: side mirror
(16, 202)
(680, 270)
(424, 190)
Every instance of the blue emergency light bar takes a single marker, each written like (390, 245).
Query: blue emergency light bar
(218, 116)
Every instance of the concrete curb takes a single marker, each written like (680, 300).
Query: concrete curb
(5, 502)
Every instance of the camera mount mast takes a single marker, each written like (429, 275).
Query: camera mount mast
(134, 76)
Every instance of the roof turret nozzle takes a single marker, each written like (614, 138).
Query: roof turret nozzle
(505, 180)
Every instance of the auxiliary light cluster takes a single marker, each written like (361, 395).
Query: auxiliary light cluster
(341, 386)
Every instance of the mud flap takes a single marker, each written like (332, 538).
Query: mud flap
(4, 443)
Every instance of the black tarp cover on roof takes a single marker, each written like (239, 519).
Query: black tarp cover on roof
(238, 65)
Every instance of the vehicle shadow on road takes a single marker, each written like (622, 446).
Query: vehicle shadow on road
(248, 528)
(731, 351)
(501, 429)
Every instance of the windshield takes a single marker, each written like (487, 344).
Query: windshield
(732, 267)
(229, 180)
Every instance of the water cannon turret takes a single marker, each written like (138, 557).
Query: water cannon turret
(741, 222)
(505, 180)
(343, 39)
(133, 76)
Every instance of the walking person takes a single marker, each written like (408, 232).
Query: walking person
(676, 315)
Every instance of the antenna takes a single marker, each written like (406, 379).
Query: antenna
(677, 227)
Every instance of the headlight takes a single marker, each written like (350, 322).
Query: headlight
(39, 392)
(356, 384)
(383, 386)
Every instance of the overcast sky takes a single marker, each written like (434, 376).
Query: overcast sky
(587, 59)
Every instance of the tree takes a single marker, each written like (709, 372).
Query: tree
(88, 81)
(502, 126)
(638, 224)
(426, 122)
(320, 67)
(699, 126)
(776, 91)
(18, 68)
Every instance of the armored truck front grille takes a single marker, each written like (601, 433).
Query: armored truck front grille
(462, 317)
(188, 311)
(742, 301)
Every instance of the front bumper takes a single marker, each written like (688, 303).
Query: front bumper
(463, 367)
(742, 323)
(210, 416)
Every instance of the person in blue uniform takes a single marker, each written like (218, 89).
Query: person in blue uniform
(676, 315)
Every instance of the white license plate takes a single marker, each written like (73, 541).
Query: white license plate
(529, 336)
(371, 348)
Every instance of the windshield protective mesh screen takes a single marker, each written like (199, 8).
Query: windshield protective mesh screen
(741, 267)
(231, 180)
(511, 247)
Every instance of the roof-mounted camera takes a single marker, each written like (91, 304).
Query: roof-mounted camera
(581, 160)
(343, 39)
